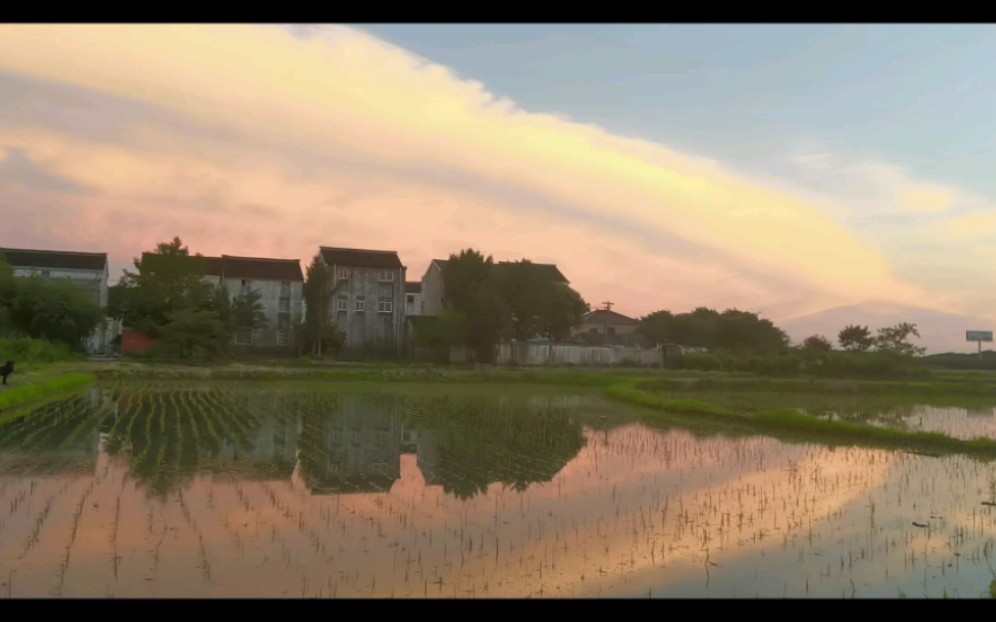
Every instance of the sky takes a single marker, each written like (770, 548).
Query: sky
(778, 169)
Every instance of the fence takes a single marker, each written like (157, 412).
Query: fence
(574, 354)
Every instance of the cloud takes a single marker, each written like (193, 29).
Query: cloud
(360, 143)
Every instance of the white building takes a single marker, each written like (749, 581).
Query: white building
(89, 271)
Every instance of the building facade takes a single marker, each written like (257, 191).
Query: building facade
(280, 284)
(88, 271)
(606, 327)
(413, 298)
(368, 298)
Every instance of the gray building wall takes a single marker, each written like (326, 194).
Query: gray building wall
(433, 294)
(413, 303)
(279, 331)
(370, 328)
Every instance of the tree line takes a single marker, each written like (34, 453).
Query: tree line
(487, 302)
(49, 309)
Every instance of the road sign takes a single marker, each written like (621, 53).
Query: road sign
(979, 335)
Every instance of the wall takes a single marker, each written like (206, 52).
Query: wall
(133, 342)
(432, 291)
(572, 354)
(270, 299)
(370, 330)
(414, 307)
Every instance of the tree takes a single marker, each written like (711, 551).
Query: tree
(565, 310)
(247, 311)
(320, 333)
(855, 338)
(472, 289)
(893, 339)
(733, 330)
(817, 344)
(166, 281)
(193, 333)
(56, 310)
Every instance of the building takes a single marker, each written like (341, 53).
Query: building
(434, 291)
(413, 298)
(280, 284)
(368, 292)
(88, 271)
(605, 326)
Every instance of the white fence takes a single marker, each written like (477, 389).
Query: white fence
(573, 354)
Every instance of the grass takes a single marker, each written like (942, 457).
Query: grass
(52, 388)
(791, 424)
(26, 351)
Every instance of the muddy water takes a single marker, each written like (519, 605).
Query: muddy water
(233, 491)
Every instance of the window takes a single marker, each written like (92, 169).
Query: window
(385, 306)
(610, 330)
(246, 286)
(343, 273)
(285, 291)
(386, 276)
(381, 437)
(342, 303)
(361, 304)
(593, 331)
(411, 299)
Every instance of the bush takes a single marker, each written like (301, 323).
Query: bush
(28, 350)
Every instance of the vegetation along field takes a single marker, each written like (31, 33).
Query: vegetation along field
(230, 488)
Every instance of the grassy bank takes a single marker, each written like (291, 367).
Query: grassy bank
(791, 424)
(53, 388)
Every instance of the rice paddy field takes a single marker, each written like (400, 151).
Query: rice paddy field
(249, 489)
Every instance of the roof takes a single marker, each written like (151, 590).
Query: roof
(547, 270)
(54, 259)
(413, 287)
(601, 316)
(359, 258)
(229, 266)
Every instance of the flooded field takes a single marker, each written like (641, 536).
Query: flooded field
(231, 490)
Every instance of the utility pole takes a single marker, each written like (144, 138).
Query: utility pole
(605, 320)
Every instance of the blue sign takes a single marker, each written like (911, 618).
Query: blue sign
(979, 335)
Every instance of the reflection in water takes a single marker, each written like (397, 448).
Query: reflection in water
(227, 492)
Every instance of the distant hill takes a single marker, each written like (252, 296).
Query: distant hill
(939, 332)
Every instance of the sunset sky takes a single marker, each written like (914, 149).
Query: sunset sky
(779, 169)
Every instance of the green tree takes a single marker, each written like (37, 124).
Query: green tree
(894, 340)
(732, 330)
(193, 334)
(473, 290)
(248, 312)
(56, 310)
(320, 334)
(565, 310)
(817, 344)
(166, 281)
(855, 338)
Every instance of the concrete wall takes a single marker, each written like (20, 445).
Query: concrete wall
(433, 294)
(572, 354)
(369, 329)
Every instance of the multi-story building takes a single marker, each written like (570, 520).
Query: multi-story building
(368, 298)
(88, 271)
(280, 284)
